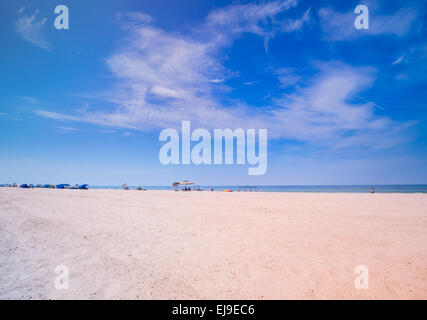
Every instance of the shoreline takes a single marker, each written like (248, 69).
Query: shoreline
(217, 191)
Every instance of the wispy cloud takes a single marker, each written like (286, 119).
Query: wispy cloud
(164, 78)
(120, 119)
(398, 60)
(287, 77)
(30, 100)
(238, 18)
(257, 18)
(63, 129)
(217, 80)
(31, 29)
(326, 112)
(249, 83)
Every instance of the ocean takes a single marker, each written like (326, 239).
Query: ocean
(416, 188)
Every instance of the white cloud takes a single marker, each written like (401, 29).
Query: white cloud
(296, 24)
(63, 129)
(165, 78)
(322, 112)
(398, 60)
(29, 28)
(166, 92)
(132, 19)
(287, 77)
(217, 80)
(259, 18)
(113, 119)
(249, 17)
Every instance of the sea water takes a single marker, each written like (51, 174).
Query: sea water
(416, 188)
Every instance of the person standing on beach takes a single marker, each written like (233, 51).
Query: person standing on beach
(372, 190)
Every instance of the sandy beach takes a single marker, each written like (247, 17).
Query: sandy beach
(211, 245)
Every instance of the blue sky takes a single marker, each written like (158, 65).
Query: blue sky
(87, 104)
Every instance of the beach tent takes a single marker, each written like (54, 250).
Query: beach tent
(84, 186)
(62, 186)
(186, 183)
(25, 186)
(182, 183)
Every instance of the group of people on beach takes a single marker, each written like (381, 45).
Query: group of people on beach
(46, 186)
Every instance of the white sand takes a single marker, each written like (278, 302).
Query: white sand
(203, 245)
